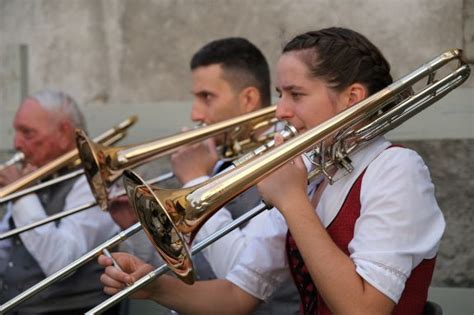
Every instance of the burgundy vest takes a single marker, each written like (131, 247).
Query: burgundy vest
(341, 230)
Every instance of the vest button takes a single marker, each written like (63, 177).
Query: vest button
(10, 264)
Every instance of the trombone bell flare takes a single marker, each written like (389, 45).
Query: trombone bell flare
(91, 163)
(157, 222)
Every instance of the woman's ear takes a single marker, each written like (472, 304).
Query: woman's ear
(249, 99)
(356, 93)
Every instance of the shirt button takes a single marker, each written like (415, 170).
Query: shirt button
(5, 286)
(10, 264)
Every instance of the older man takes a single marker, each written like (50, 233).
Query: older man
(44, 130)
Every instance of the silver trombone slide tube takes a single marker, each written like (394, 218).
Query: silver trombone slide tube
(66, 271)
(69, 212)
(47, 220)
(164, 268)
(37, 187)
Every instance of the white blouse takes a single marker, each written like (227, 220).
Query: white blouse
(400, 224)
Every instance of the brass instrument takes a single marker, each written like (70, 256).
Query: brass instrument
(103, 165)
(18, 157)
(68, 159)
(171, 218)
(287, 132)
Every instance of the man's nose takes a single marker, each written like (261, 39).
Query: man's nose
(18, 142)
(196, 113)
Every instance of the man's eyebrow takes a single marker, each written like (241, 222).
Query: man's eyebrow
(203, 92)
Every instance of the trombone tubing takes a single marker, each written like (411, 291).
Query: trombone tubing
(164, 268)
(62, 273)
(37, 187)
(129, 156)
(69, 212)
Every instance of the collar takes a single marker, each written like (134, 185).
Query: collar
(334, 195)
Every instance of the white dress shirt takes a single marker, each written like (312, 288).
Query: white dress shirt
(55, 246)
(397, 198)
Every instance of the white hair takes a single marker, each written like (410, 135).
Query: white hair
(60, 103)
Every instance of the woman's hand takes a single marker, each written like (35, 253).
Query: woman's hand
(285, 187)
(133, 269)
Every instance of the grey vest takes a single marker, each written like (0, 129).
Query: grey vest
(79, 290)
(285, 300)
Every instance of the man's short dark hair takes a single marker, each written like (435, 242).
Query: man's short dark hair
(242, 62)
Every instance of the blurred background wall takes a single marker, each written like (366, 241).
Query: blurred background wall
(119, 57)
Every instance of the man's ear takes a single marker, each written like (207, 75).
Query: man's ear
(249, 99)
(354, 93)
(66, 135)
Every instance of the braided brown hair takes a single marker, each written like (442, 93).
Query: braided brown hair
(342, 57)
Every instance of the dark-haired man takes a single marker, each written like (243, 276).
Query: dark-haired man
(230, 77)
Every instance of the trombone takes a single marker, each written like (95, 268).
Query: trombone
(12, 191)
(18, 157)
(287, 132)
(171, 218)
(103, 165)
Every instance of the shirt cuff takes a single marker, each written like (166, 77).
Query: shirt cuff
(252, 282)
(387, 280)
